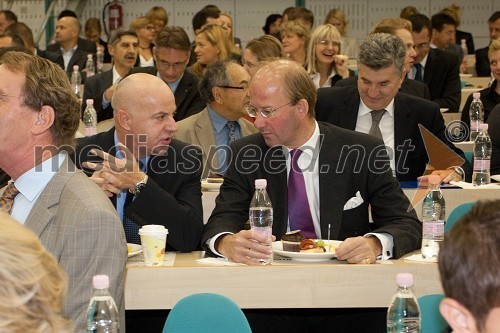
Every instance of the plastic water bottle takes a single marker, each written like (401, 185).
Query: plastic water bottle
(102, 314)
(261, 214)
(476, 114)
(433, 213)
(90, 66)
(482, 157)
(99, 59)
(76, 80)
(90, 118)
(463, 45)
(403, 315)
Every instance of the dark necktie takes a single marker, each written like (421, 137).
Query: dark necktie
(418, 74)
(376, 117)
(8, 196)
(299, 214)
(231, 126)
(129, 225)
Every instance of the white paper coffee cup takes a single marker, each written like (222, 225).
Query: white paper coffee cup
(153, 240)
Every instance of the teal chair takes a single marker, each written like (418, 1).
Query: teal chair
(457, 213)
(469, 156)
(206, 313)
(432, 321)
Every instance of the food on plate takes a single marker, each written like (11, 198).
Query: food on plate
(129, 248)
(291, 241)
(310, 246)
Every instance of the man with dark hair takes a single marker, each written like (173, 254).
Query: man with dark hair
(482, 62)
(469, 265)
(68, 212)
(171, 54)
(122, 46)
(7, 17)
(437, 68)
(376, 107)
(24, 32)
(7, 40)
(444, 28)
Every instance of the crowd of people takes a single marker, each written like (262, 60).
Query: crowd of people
(287, 104)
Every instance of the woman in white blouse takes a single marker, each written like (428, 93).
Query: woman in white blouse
(145, 30)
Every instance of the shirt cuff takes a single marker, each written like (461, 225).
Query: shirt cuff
(387, 244)
(211, 243)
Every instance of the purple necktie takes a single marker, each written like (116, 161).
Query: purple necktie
(299, 214)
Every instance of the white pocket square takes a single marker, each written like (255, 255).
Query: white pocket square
(354, 202)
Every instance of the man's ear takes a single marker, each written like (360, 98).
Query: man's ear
(43, 120)
(122, 118)
(216, 92)
(302, 108)
(457, 316)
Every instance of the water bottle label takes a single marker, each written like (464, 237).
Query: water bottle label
(434, 229)
(89, 131)
(474, 125)
(265, 231)
(480, 165)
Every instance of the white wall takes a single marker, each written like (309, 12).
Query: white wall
(249, 15)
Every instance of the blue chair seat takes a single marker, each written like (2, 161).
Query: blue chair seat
(457, 213)
(432, 321)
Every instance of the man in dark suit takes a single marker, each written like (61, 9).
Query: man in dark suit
(161, 174)
(401, 28)
(171, 55)
(123, 48)
(437, 68)
(69, 49)
(282, 98)
(380, 66)
(482, 62)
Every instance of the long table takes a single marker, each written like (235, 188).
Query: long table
(453, 198)
(330, 285)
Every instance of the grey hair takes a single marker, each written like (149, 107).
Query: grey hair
(381, 50)
(215, 75)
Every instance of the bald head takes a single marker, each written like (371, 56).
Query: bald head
(67, 32)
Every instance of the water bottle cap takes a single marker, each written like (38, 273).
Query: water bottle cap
(75, 67)
(89, 56)
(483, 127)
(476, 95)
(404, 279)
(90, 102)
(100, 281)
(260, 183)
(434, 179)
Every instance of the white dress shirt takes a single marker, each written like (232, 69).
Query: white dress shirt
(413, 71)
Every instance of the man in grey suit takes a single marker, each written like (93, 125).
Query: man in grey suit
(71, 215)
(224, 88)
(171, 54)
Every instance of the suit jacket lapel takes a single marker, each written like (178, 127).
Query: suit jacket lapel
(430, 66)
(349, 111)
(205, 136)
(183, 88)
(275, 163)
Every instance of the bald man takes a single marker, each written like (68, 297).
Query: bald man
(69, 49)
(152, 179)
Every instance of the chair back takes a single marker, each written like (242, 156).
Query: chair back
(206, 313)
(457, 213)
(432, 321)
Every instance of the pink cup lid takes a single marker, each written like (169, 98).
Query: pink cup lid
(404, 279)
(100, 281)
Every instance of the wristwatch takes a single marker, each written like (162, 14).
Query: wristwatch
(136, 190)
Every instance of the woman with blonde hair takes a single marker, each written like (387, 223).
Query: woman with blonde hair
(325, 62)
(338, 19)
(295, 38)
(145, 31)
(32, 285)
(227, 24)
(159, 17)
(260, 49)
(211, 45)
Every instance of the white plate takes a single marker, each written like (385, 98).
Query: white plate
(496, 177)
(465, 75)
(470, 89)
(443, 110)
(210, 186)
(305, 256)
(136, 249)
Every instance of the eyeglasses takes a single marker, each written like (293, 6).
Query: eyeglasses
(149, 27)
(326, 43)
(421, 46)
(266, 112)
(245, 87)
(167, 65)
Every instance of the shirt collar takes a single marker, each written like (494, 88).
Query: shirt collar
(309, 146)
(218, 121)
(363, 109)
(116, 77)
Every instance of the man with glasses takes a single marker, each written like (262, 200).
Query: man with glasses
(224, 88)
(171, 54)
(437, 68)
(122, 46)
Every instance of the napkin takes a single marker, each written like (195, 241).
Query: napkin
(469, 186)
(218, 262)
(418, 257)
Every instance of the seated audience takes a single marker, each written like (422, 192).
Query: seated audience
(443, 35)
(489, 96)
(159, 16)
(65, 209)
(469, 266)
(338, 19)
(22, 30)
(261, 49)
(207, 15)
(32, 285)
(295, 38)
(145, 31)
(494, 132)
(227, 25)
(8, 40)
(455, 12)
(325, 62)
(93, 32)
(301, 15)
(272, 26)
(223, 88)
(408, 11)
(7, 17)
(482, 62)
(211, 45)
(171, 55)
(123, 48)
(149, 177)
(377, 107)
